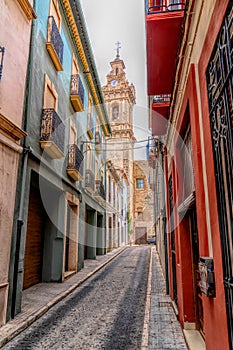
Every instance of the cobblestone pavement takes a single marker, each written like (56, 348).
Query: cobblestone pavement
(165, 331)
(106, 312)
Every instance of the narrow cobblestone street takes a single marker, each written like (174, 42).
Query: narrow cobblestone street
(108, 311)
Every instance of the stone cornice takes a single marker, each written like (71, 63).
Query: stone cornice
(27, 9)
(74, 29)
(120, 93)
(10, 129)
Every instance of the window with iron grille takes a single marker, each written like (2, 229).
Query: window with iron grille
(220, 95)
(140, 183)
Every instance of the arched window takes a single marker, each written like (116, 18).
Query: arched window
(115, 112)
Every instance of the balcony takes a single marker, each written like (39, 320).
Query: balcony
(75, 163)
(163, 30)
(52, 134)
(55, 44)
(100, 194)
(90, 181)
(160, 113)
(98, 142)
(77, 93)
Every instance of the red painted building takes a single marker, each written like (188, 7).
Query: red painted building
(189, 71)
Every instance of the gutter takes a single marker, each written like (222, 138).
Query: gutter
(26, 151)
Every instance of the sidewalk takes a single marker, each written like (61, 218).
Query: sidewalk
(165, 331)
(41, 297)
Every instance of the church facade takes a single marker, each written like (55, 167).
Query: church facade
(120, 99)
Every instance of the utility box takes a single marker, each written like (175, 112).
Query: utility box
(207, 282)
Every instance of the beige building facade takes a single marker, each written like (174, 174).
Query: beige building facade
(143, 202)
(14, 58)
(116, 207)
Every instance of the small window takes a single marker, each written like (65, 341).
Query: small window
(75, 68)
(139, 183)
(88, 157)
(115, 112)
(89, 115)
(54, 11)
(50, 95)
(140, 215)
(96, 169)
(73, 134)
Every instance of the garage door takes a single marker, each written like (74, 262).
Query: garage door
(33, 259)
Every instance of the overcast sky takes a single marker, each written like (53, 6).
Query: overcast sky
(109, 21)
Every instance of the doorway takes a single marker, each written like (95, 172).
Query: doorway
(71, 239)
(33, 258)
(140, 235)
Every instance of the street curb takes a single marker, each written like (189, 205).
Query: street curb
(53, 302)
(145, 333)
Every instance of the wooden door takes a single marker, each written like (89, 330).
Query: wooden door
(140, 235)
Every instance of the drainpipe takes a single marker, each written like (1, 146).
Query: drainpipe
(26, 151)
(20, 223)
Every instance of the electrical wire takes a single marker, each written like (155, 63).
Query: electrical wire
(112, 143)
(117, 150)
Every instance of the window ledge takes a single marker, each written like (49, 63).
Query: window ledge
(75, 174)
(54, 56)
(51, 149)
(11, 129)
(90, 134)
(77, 103)
(27, 9)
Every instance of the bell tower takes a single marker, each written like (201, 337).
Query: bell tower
(120, 98)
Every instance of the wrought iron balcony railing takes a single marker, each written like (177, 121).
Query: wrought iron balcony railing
(161, 98)
(90, 180)
(77, 92)
(99, 190)
(152, 6)
(52, 133)
(75, 162)
(55, 44)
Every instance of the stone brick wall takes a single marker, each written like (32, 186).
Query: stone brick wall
(143, 210)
